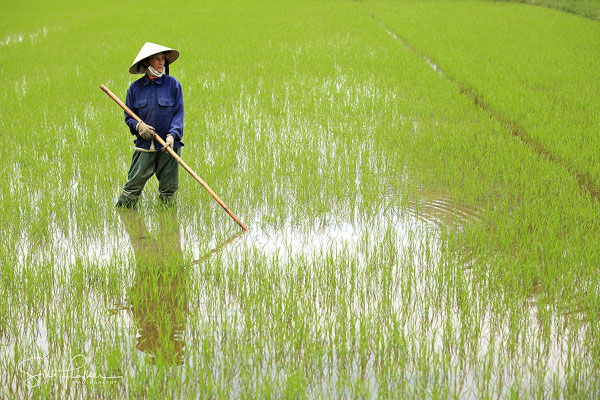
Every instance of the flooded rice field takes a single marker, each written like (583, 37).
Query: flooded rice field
(366, 306)
(404, 241)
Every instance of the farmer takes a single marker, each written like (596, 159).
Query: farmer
(157, 99)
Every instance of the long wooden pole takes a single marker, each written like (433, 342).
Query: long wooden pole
(176, 157)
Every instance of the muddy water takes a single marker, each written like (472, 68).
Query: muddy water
(413, 232)
(147, 242)
(288, 240)
(414, 235)
(440, 209)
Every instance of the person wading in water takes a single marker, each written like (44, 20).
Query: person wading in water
(158, 100)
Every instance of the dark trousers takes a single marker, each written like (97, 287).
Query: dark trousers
(146, 164)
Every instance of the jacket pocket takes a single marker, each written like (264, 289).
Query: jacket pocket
(165, 107)
(166, 102)
(140, 103)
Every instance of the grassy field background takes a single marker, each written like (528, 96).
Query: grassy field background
(411, 173)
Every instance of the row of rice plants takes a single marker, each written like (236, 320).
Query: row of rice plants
(534, 66)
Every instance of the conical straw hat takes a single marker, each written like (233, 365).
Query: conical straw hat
(150, 49)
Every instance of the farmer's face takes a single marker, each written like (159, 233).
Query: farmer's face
(157, 61)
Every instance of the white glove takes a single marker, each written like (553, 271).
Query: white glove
(146, 131)
(169, 142)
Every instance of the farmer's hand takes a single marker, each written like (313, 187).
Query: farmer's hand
(146, 131)
(169, 142)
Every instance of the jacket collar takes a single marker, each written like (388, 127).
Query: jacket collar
(158, 81)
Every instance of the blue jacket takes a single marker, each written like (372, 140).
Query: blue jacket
(159, 104)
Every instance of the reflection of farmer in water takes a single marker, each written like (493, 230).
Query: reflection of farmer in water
(158, 296)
